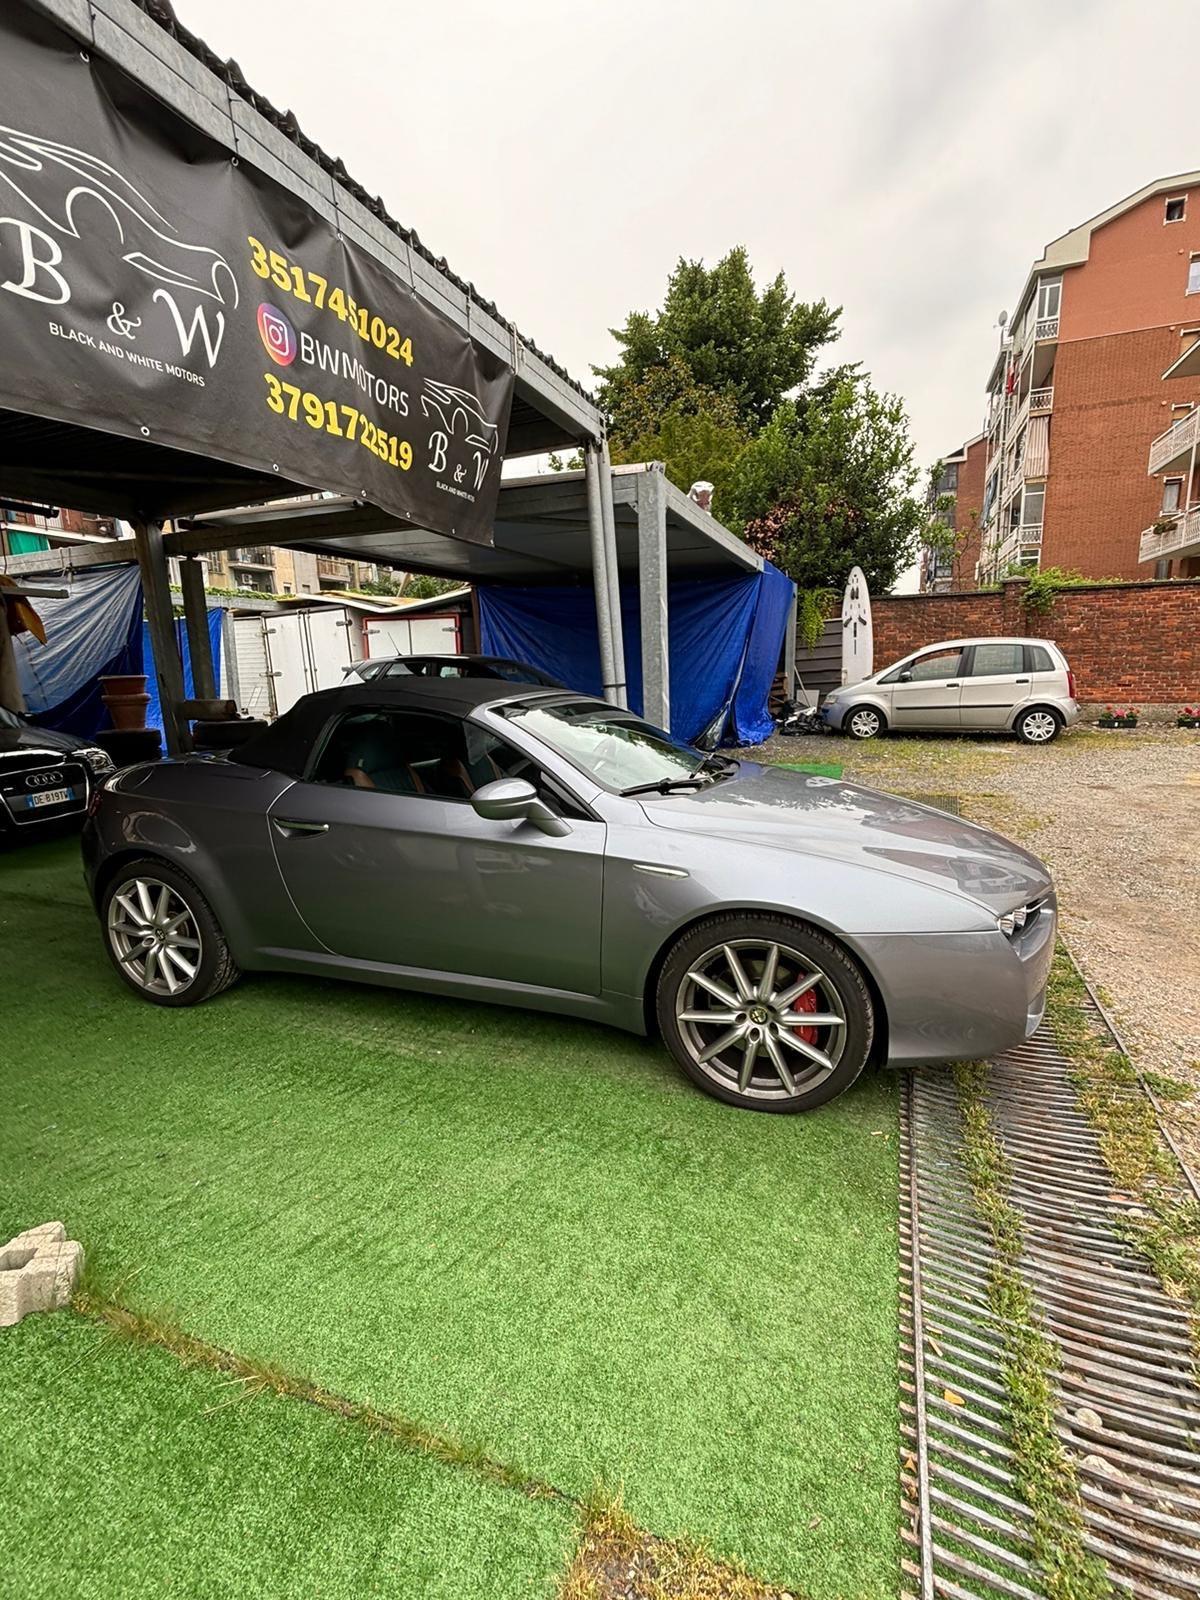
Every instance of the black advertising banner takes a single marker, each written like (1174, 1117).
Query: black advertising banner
(152, 286)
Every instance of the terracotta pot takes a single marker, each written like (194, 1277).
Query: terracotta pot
(123, 683)
(124, 695)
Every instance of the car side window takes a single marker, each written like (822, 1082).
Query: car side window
(1037, 658)
(937, 664)
(420, 753)
(993, 659)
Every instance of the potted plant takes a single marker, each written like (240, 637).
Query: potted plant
(1189, 717)
(1109, 718)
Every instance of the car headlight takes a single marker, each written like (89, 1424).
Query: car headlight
(99, 762)
(1013, 921)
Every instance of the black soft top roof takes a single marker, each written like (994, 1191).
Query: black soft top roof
(286, 745)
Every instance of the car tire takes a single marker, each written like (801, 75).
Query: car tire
(155, 921)
(864, 722)
(1038, 725)
(819, 1061)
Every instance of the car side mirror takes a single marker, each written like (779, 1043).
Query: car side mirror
(515, 800)
(905, 677)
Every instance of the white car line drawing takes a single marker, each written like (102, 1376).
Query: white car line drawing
(460, 414)
(50, 168)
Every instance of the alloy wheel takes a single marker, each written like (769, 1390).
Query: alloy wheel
(759, 1018)
(154, 936)
(1039, 727)
(865, 724)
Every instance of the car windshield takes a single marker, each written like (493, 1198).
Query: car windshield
(612, 746)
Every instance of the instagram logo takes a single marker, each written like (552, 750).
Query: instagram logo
(277, 333)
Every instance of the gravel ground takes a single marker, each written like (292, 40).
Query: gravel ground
(1117, 818)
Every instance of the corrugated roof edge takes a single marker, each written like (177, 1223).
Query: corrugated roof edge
(162, 13)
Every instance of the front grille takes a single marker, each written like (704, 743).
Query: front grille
(24, 776)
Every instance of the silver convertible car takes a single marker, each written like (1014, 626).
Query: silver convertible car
(489, 841)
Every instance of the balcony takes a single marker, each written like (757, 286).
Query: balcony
(253, 557)
(1172, 448)
(1041, 401)
(332, 573)
(1180, 539)
(1045, 328)
(1030, 533)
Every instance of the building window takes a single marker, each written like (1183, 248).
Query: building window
(1049, 298)
(1176, 208)
(1162, 569)
(1172, 492)
(1033, 502)
(1194, 275)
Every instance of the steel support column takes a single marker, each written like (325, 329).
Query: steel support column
(600, 585)
(614, 574)
(195, 615)
(160, 618)
(652, 596)
(789, 647)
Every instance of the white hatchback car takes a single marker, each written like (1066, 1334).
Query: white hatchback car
(974, 684)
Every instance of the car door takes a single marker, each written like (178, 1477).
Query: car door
(925, 691)
(994, 681)
(386, 860)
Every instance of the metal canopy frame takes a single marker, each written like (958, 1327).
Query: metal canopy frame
(548, 529)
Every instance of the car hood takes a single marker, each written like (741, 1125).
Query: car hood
(846, 822)
(15, 741)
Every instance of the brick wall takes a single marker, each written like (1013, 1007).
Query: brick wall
(1137, 642)
(1109, 402)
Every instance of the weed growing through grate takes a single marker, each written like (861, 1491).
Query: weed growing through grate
(1043, 1472)
(1114, 1101)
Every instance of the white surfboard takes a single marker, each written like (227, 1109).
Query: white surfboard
(858, 641)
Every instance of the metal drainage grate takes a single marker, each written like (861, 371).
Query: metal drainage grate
(1128, 1408)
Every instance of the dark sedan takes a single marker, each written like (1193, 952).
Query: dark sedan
(497, 668)
(45, 776)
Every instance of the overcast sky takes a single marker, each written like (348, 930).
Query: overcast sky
(906, 161)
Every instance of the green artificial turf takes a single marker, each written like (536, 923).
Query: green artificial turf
(123, 1474)
(533, 1234)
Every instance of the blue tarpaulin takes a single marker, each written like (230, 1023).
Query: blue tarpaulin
(725, 640)
(96, 630)
(216, 620)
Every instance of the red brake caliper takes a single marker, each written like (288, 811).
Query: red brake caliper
(806, 1002)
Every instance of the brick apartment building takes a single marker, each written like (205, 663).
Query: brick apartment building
(25, 528)
(1090, 438)
(962, 477)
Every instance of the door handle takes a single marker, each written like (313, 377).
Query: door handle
(953, 683)
(290, 825)
(1022, 680)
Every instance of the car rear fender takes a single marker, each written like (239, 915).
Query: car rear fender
(201, 829)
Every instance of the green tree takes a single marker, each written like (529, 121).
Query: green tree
(694, 432)
(751, 349)
(828, 485)
(420, 587)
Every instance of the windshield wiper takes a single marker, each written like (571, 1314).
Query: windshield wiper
(718, 766)
(694, 780)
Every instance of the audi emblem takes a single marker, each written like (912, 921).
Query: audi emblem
(43, 780)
